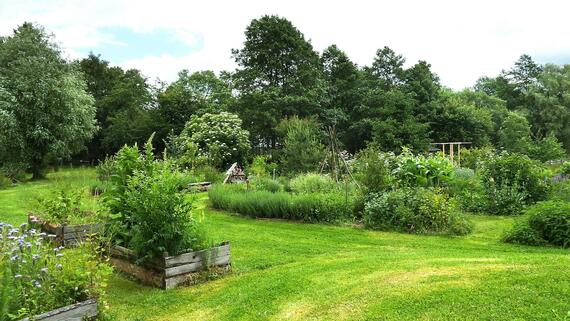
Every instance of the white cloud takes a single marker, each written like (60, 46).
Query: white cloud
(461, 39)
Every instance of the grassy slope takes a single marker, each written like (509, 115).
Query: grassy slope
(293, 271)
(16, 202)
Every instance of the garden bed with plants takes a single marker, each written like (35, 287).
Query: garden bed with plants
(64, 215)
(66, 234)
(40, 282)
(167, 272)
(153, 233)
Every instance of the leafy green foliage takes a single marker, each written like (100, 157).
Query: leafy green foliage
(474, 158)
(565, 168)
(546, 223)
(372, 169)
(160, 216)
(41, 278)
(301, 135)
(215, 139)
(549, 148)
(263, 183)
(415, 211)
(46, 114)
(421, 171)
(312, 183)
(313, 207)
(65, 207)
(512, 180)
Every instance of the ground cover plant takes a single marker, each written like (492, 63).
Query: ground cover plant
(37, 278)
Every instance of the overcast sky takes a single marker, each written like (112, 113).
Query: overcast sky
(462, 40)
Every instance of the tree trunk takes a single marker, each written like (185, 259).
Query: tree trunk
(38, 170)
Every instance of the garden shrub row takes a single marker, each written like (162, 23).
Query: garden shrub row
(419, 210)
(544, 223)
(313, 207)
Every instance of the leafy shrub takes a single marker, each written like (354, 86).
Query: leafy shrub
(546, 223)
(474, 158)
(512, 180)
(260, 166)
(15, 172)
(36, 278)
(302, 148)
(466, 188)
(549, 148)
(565, 168)
(421, 171)
(263, 183)
(65, 207)
(560, 191)
(159, 215)
(209, 174)
(219, 138)
(522, 233)
(372, 169)
(312, 183)
(417, 210)
(315, 207)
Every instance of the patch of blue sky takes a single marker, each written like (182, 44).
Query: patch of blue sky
(561, 58)
(122, 43)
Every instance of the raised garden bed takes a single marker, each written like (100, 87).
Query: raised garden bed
(168, 272)
(200, 186)
(65, 234)
(86, 310)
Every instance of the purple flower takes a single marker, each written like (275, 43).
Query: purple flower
(17, 276)
(36, 283)
(58, 266)
(14, 258)
(35, 257)
(44, 270)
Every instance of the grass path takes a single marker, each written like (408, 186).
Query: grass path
(294, 271)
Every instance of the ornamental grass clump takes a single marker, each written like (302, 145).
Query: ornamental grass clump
(38, 278)
(313, 207)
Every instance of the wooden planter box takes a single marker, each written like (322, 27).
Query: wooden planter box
(200, 186)
(86, 310)
(168, 272)
(65, 234)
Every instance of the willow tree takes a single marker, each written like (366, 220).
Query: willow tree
(46, 114)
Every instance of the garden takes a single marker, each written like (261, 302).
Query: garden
(243, 197)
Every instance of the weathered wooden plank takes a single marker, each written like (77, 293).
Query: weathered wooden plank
(196, 256)
(75, 312)
(196, 266)
(141, 273)
(91, 228)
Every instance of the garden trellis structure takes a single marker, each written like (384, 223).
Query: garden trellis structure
(451, 148)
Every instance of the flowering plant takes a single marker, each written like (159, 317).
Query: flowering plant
(37, 278)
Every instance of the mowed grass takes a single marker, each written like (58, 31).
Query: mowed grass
(294, 271)
(16, 202)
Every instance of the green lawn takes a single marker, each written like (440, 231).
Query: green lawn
(293, 271)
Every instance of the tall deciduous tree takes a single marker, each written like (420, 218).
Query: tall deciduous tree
(191, 94)
(279, 75)
(45, 110)
(123, 100)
